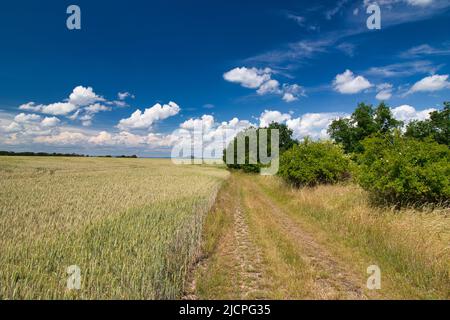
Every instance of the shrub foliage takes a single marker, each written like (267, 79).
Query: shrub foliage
(404, 171)
(311, 163)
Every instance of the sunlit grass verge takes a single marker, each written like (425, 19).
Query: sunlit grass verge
(132, 226)
(218, 276)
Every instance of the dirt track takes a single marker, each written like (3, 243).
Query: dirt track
(269, 255)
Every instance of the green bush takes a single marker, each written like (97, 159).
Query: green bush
(405, 171)
(311, 163)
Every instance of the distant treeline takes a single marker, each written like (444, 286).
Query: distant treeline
(54, 154)
(122, 156)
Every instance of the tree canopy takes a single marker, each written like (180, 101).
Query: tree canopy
(437, 127)
(364, 122)
(286, 142)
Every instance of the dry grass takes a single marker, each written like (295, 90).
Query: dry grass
(133, 226)
(316, 243)
(411, 247)
(217, 276)
(260, 253)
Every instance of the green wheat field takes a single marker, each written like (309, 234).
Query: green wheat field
(132, 226)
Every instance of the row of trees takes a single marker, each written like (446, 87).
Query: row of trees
(54, 154)
(396, 164)
(40, 154)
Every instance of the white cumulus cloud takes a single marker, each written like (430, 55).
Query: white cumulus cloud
(292, 92)
(205, 136)
(83, 96)
(59, 108)
(269, 116)
(49, 122)
(421, 3)
(95, 108)
(384, 91)
(348, 83)
(25, 126)
(271, 86)
(313, 125)
(145, 120)
(431, 83)
(63, 138)
(26, 118)
(407, 113)
(251, 78)
(30, 106)
(12, 127)
(261, 79)
(125, 95)
(206, 122)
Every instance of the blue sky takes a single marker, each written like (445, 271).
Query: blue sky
(299, 62)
